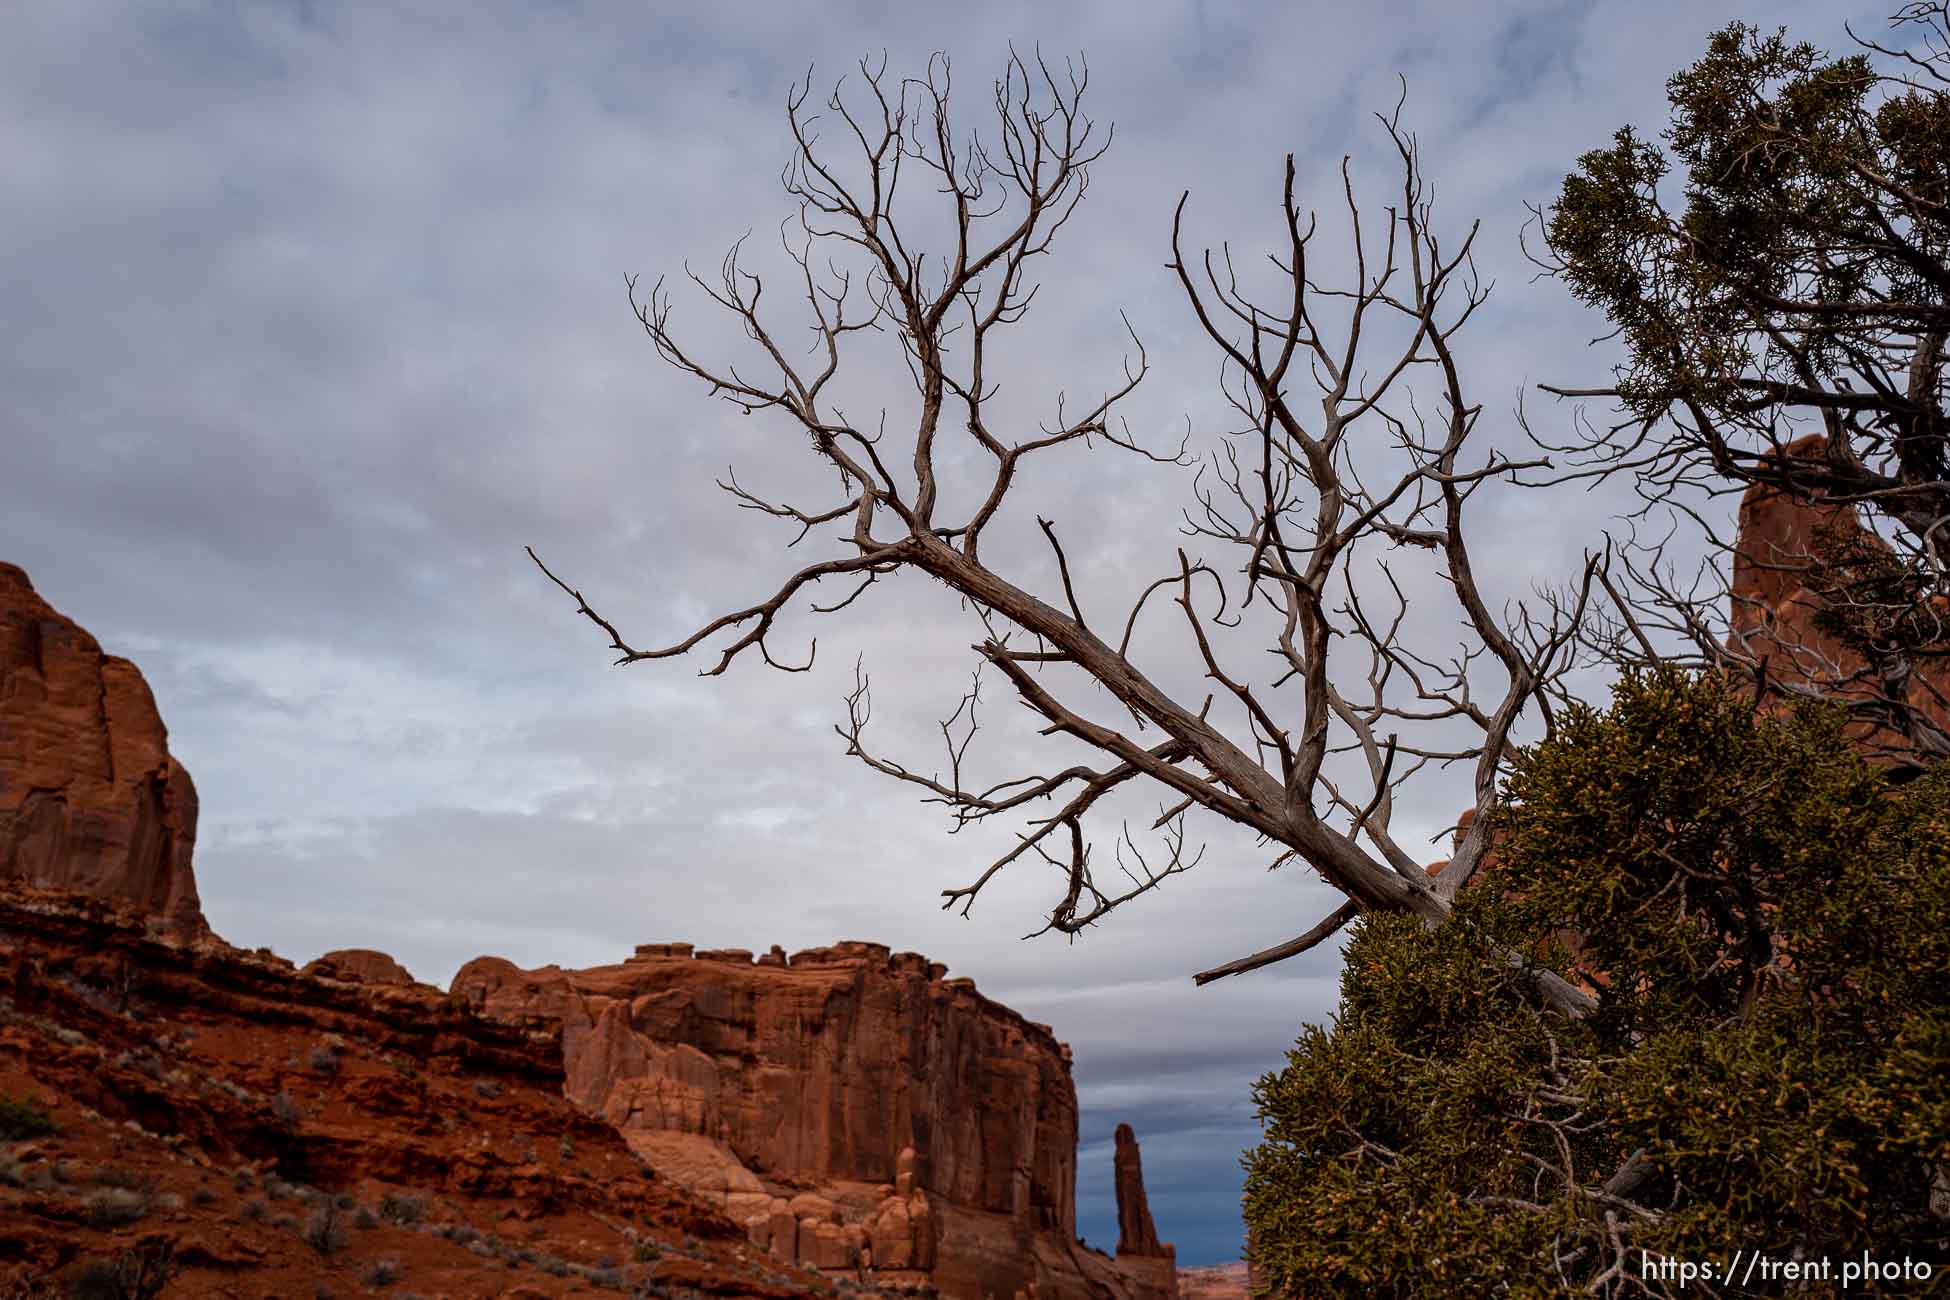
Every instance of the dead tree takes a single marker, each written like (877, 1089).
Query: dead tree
(1335, 476)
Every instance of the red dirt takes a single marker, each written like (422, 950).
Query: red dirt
(221, 1102)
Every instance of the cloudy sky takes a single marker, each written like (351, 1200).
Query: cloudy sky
(315, 317)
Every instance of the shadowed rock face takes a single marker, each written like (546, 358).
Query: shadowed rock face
(1136, 1234)
(851, 1107)
(90, 799)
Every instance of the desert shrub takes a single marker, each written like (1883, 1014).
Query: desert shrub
(142, 1061)
(486, 1089)
(256, 1210)
(381, 1272)
(1765, 920)
(403, 1208)
(286, 1111)
(324, 1060)
(325, 1230)
(139, 1274)
(121, 1176)
(363, 1218)
(22, 1118)
(35, 1177)
(112, 1207)
(203, 1196)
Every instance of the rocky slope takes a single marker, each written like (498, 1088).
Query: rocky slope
(90, 799)
(851, 1107)
(283, 1134)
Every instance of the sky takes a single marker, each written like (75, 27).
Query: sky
(315, 317)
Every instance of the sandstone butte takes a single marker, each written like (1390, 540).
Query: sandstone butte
(844, 1114)
(851, 1107)
(90, 799)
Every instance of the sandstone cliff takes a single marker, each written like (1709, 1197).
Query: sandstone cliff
(90, 798)
(851, 1107)
(1775, 607)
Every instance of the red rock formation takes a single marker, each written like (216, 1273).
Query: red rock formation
(1136, 1234)
(853, 1108)
(1772, 551)
(1774, 606)
(1215, 1282)
(90, 799)
(241, 1099)
(360, 966)
(1152, 1263)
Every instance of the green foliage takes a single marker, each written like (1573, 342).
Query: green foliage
(22, 1118)
(1778, 264)
(1774, 140)
(1767, 923)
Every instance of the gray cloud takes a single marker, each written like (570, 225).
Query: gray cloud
(315, 317)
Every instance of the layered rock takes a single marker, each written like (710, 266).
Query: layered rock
(1136, 1234)
(852, 1107)
(1216, 1282)
(1138, 1248)
(242, 1098)
(361, 966)
(91, 800)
